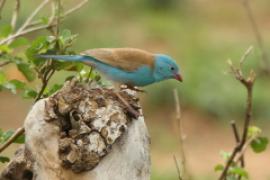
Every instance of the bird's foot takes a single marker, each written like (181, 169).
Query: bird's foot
(133, 88)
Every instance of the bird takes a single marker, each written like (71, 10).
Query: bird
(130, 66)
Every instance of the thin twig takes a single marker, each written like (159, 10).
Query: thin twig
(243, 150)
(15, 15)
(177, 168)
(257, 33)
(181, 135)
(248, 83)
(129, 108)
(245, 55)
(30, 18)
(14, 136)
(75, 8)
(2, 4)
(65, 14)
(5, 63)
(40, 27)
(237, 139)
(30, 30)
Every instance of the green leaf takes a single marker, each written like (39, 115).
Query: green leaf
(2, 78)
(6, 136)
(259, 144)
(14, 85)
(5, 49)
(219, 167)
(66, 38)
(21, 41)
(238, 171)
(26, 71)
(5, 30)
(66, 34)
(225, 155)
(38, 46)
(253, 131)
(4, 159)
(54, 88)
(29, 94)
(20, 139)
(44, 20)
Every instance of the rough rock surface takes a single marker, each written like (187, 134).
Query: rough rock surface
(86, 133)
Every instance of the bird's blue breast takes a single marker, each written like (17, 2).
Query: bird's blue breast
(140, 77)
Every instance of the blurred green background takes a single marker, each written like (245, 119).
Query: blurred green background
(201, 35)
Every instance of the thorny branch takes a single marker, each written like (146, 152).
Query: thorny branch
(248, 83)
(23, 30)
(265, 58)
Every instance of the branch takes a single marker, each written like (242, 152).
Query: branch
(182, 137)
(68, 12)
(17, 133)
(34, 26)
(30, 18)
(75, 8)
(5, 63)
(237, 139)
(2, 4)
(129, 108)
(23, 30)
(177, 168)
(248, 83)
(15, 15)
(30, 30)
(257, 33)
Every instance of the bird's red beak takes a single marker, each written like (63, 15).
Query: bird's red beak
(178, 77)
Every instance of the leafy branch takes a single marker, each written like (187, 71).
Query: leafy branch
(249, 134)
(30, 25)
(58, 43)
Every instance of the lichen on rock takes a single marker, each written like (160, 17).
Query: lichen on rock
(91, 119)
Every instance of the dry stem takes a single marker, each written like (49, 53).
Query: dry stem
(181, 138)
(248, 83)
(15, 15)
(2, 4)
(258, 36)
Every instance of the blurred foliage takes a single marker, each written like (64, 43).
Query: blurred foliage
(257, 143)
(200, 35)
(197, 39)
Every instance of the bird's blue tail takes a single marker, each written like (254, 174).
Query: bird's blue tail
(73, 58)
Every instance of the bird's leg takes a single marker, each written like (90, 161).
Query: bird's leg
(127, 86)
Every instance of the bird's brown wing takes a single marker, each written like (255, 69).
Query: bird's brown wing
(128, 59)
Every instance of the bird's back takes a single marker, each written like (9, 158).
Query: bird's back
(128, 59)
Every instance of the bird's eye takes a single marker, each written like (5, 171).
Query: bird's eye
(172, 68)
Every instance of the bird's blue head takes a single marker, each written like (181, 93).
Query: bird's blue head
(166, 68)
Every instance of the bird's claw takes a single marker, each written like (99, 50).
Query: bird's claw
(133, 88)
